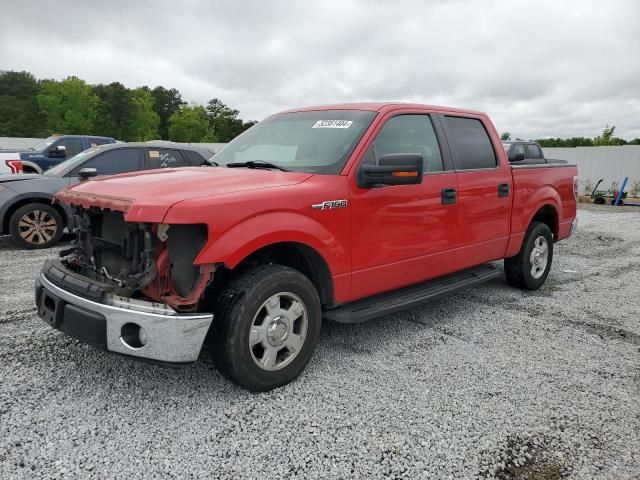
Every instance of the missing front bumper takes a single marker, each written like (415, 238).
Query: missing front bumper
(168, 337)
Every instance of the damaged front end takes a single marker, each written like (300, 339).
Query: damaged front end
(143, 261)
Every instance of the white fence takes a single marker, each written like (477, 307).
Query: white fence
(17, 143)
(611, 164)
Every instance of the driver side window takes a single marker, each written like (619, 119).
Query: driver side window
(407, 134)
(73, 145)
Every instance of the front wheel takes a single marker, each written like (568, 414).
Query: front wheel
(530, 267)
(266, 326)
(36, 225)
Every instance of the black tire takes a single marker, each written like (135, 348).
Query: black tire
(599, 201)
(518, 269)
(237, 308)
(48, 233)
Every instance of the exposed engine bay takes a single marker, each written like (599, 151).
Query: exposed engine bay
(140, 260)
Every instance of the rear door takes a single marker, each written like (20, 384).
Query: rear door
(403, 234)
(484, 190)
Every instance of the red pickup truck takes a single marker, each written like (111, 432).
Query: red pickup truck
(343, 212)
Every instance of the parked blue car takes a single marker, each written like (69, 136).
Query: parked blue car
(53, 150)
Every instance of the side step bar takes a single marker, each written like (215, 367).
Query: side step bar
(407, 297)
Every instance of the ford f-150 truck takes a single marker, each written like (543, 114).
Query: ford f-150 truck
(343, 212)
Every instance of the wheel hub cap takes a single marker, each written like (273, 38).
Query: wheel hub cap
(277, 332)
(539, 257)
(37, 226)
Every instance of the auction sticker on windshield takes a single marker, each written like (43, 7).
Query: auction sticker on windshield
(332, 124)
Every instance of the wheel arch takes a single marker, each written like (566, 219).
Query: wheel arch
(25, 200)
(543, 205)
(287, 238)
(547, 214)
(31, 167)
(300, 257)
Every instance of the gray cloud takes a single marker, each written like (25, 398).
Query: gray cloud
(537, 67)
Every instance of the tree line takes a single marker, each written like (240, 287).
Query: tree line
(606, 138)
(30, 107)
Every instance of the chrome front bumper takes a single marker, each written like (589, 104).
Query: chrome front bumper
(168, 337)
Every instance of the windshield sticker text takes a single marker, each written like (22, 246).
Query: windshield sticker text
(332, 124)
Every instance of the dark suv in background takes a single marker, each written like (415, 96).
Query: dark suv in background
(526, 153)
(26, 209)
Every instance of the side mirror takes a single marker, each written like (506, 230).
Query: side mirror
(518, 157)
(60, 151)
(86, 173)
(392, 169)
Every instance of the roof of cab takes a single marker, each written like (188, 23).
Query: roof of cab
(380, 106)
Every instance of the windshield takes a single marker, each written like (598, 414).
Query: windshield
(313, 142)
(43, 144)
(65, 167)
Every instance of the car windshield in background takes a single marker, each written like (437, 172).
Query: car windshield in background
(313, 142)
(65, 167)
(506, 146)
(42, 144)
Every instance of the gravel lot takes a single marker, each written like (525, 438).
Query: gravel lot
(488, 383)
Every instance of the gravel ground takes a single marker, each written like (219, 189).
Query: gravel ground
(488, 383)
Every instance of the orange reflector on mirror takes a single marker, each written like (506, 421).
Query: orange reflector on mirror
(404, 174)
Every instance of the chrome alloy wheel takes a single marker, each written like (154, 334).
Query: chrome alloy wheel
(37, 226)
(539, 257)
(278, 331)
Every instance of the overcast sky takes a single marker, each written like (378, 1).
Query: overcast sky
(539, 68)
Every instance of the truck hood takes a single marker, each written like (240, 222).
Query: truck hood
(147, 196)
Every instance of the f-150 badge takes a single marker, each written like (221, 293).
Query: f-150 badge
(329, 204)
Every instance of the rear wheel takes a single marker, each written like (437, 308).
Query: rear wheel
(36, 225)
(266, 326)
(530, 267)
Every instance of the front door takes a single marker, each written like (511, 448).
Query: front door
(403, 234)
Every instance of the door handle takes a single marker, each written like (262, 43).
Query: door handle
(449, 196)
(503, 190)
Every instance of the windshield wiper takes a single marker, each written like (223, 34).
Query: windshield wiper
(256, 164)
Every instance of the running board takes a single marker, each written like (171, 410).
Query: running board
(407, 297)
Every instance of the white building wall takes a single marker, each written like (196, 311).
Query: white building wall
(611, 164)
(17, 143)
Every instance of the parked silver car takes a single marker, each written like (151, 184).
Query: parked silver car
(26, 209)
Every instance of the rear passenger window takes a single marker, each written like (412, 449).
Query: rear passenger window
(533, 151)
(164, 158)
(471, 146)
(408, 134)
